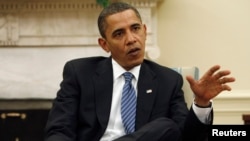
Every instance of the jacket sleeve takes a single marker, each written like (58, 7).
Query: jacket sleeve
(61, 124)
(194, 129)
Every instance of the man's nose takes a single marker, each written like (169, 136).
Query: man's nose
(130, 37)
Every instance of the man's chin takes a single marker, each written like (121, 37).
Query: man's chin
(137, 63)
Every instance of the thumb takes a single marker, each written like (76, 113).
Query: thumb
(190, 80)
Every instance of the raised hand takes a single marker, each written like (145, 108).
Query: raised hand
(212, 83)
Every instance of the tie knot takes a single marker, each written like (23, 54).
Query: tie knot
(128, 76)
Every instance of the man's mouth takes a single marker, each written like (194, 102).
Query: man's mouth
(134, 51)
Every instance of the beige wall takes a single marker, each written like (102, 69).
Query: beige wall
(204, 33)
(190, 33)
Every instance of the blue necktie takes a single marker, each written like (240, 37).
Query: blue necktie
(128, 104)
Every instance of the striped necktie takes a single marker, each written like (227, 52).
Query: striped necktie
(128, 104)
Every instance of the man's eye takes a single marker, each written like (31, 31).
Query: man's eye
(136, 28)
(118, 34)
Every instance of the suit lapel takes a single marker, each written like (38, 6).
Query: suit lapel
(146, 95)
(103, 83)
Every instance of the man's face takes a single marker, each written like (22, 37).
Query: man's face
(125, 38)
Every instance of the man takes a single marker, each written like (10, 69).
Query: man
(89, 104)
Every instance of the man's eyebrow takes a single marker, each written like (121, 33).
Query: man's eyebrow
(135, 24)
(117, 30)
(121, 29)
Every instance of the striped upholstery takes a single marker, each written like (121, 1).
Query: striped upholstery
(184, 71)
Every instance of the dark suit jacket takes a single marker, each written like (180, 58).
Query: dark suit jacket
(82, 106)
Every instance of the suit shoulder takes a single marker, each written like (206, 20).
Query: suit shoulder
(90, 60)
(86, 64)
(160, 68)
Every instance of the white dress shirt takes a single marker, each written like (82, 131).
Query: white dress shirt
(115, 127)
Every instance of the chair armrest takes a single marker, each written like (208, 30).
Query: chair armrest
(185, 71)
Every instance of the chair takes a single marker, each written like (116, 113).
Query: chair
(246, 119)
(185, 71)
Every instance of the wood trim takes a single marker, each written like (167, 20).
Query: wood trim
(246, 118)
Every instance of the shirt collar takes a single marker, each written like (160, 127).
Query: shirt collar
(119, 70)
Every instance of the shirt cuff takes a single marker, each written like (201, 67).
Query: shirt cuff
(203, 114)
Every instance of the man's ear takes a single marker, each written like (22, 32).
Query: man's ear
(103, 43)
(145, 29)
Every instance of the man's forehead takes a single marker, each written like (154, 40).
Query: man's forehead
(122, 17)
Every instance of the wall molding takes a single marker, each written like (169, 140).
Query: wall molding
(45, 5)
(230, 106)
(58, 23)
(39, 34)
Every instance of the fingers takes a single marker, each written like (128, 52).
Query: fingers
(218, 75)
(226, 80)
(212, 70)
(221, 74)
(225, 87)
(218, 78)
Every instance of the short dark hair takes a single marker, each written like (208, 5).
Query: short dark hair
(113, 8)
